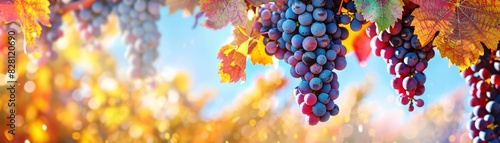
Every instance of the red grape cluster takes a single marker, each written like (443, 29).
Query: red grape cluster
(406, 59)
(484, 80)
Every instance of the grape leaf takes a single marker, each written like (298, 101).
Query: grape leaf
(247, 41)
(221, 12)
(233, 64)
(186, 5)
(462, 25)
(258, 54)
(28, 12)
(360, 45)
(357, 42)
(383, 12)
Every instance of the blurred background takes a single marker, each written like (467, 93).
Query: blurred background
(83, 96)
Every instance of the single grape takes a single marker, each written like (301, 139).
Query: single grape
(305, 109)
(274, 34)
(305, 18)
(316, 68)
(331, 28)
(319, 14)
(345, 19)
(265, 14)
(289, 26)
(324, 98)
(309, 8)
(305, 30)
(301, 68)
(308, 76)
(409, 83)
(298, 7)
(310, 99)
(340, 63)
(415, 43)
(309, 58)
(312, 119)
(410, 59)
(289, 14)
(325, 117)
(321, 59)
(298, 40)
(335, 110)
(319, 109)
(420, 77)
(326, 76)
(316, 83)
(355, 25)
(318, 28)
(271, 47)
(309, 43)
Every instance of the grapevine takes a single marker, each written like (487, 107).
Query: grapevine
(315, 38)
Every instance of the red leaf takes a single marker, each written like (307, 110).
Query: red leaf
(362, 46)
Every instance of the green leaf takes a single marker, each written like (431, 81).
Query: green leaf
(383, 12)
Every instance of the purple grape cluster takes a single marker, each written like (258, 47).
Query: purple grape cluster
(406, 59)
(89, 20)
(306, 35)
(140, 32)
(484, 80)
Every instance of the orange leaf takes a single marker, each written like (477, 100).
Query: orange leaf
(233, 64)
(247, 38)
(463, 26)
(28, 12)
(247, 41)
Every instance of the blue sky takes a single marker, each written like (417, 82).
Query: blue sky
(195, 51)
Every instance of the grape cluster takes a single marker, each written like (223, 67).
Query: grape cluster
(90, 19)
(406, 59)
(484, 79)
(307, 37)
(140, 33)
(352, 17)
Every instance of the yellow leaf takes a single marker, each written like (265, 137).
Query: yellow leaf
(258, 54)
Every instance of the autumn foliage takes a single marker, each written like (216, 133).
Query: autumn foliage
(101, 106)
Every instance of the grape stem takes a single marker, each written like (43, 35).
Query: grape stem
(76, 5)
(340, 7)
